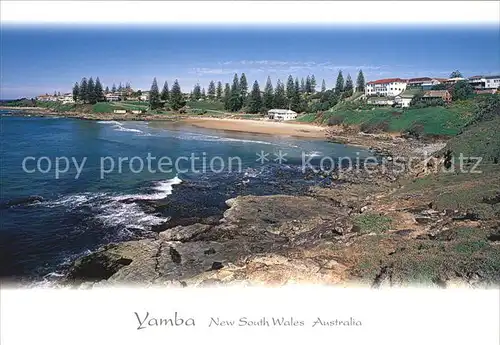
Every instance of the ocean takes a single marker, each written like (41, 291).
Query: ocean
(100, 193)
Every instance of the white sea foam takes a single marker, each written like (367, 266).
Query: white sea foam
(127, 216)
(120, 210)
(118, 126)
(314, 154)
(110, 123)
(162, 189)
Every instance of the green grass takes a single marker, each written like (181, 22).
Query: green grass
(103, 107)
(130, 105)
(308, 118)
(478, 140)
(206, 105)
(371, 222)
(438, 121)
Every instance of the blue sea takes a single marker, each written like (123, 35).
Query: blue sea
(48, 220)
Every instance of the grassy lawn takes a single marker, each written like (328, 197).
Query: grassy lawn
(206, 105)
(447, 121)
(308, 118)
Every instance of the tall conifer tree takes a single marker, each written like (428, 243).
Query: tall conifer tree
(154, 95)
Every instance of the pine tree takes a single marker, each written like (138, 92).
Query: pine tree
(120, 87)
(154, 95)
(349, 87)
(456, 74)
(290, 90)
(280, 100)
(113, 89)
(76, 92)
(243, 88)
(360, 82)
(308, 85)
(176, 101)
(84, 94)
(99, 93)
(92, 96)
(219, 91)
(196, 94)
(323, 86)
(235, 100)
(295, 104)
(313, 84)
(303, 86)
(339, 85)
(203, 93)
(211, 90)
(107, 90)
(268, 98)
(255, 99)
(165, 93)
(227, 97)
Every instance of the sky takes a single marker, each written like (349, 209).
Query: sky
(43, 59)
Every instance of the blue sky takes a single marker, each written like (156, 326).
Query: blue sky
(40, 59)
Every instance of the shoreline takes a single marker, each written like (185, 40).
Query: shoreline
(228, 124)
(258, 127)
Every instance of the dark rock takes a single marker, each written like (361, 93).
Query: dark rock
(174, 254)
(404, 232)
(423, 219)
(217, 266)
(96, 267)
(467, 216)
(209, 251)
(493, 200)
(21, 201)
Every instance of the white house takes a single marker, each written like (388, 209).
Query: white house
(144, 96)
(46, 98)
(281, 114)
(403, 100)
(66, 98)
(483, 82)
(111, 97)
(385, 87)
(119, 111)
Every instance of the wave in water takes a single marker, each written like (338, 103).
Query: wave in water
(118, 126)
(119, 211)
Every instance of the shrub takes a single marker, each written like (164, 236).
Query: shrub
(375, 127)
(335, 120)
(416, 131)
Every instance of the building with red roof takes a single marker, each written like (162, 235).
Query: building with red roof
(385, 87)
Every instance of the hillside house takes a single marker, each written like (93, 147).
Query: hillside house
(112, 97)
(46, 98)
(385, 87)
(482, 82)
(281, 114)
(445, 95)
(424, 83)
(67, 98)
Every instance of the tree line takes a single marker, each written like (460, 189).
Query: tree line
(88, 91)
(296, 95)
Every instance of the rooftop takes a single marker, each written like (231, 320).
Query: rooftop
(418, 80)
(387, 81)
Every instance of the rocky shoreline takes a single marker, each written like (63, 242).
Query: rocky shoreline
(381, 228)
(360, 231)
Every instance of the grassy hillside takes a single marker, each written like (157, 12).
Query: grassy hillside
(447, 121)
(478, 140)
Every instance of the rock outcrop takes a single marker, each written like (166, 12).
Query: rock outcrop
(259, 239)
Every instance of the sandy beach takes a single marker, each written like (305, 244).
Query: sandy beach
(261, 127)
